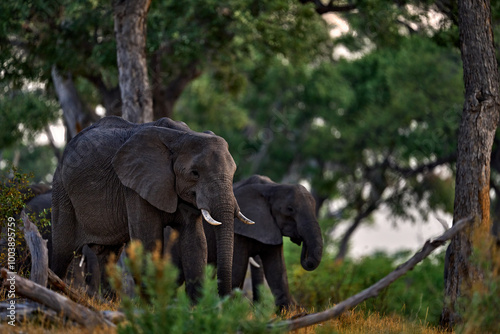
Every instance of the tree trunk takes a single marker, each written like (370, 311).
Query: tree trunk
(475, 140)
(166, 94)
(110, 97)
(130, 31)
(319, 201)
(76, 116)
(367, 211)
(344, 242)
(52, 143)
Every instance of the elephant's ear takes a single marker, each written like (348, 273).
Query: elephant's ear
(144, 164)
(254, 204)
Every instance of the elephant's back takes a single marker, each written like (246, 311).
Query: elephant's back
(87, 176)
(94, 147)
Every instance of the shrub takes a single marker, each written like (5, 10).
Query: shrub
(162, 308)
(14, 193)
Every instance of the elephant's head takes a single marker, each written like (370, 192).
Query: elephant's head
(281, 210)
(167, 167)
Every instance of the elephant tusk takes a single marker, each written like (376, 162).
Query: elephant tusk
(81, 261)
(253, 262)
(209, 218)
(245, 219)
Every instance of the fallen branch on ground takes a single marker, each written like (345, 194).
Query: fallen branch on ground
(72, 294)
(375, 289)
(27, 310)
(55, 301)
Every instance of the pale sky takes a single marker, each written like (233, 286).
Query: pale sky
(383, 235)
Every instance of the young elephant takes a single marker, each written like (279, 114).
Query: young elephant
(278, 210)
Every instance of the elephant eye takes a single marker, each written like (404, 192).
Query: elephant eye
(195, 174)
(290, 209)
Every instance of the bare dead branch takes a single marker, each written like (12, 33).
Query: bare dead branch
(322, 8)
(443, 223)
(114, 316)
(55, 301)
(72, 294)
(28, 310)
(375, 289)
(38, 250)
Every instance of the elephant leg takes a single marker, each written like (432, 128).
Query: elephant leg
(171, 250)
(257, 278)
(63, 231)
(276, 276)
(103, 255)
(240, 260)
(193, 251)
(93, 272)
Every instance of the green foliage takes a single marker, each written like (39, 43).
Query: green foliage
(24, 113)
(338, 125)
(38, 159)
(379, 23)
(417, 296)
(226, 32)
(14, 193)
(162, 308)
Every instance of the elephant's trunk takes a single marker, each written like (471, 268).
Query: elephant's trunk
(218, 199)
(224, 235)
(312, 249)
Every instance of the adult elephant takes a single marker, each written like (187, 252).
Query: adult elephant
(119, 181)
(278, 210)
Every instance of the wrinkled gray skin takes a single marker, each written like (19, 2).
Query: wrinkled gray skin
(86, 276)
(278, 210)
(119, 181)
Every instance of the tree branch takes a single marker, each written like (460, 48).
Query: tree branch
(52, 143)
(55, 301)
(375, 289)
(38, 250)
(330, 7)
(72, 294)
(407, 172)
(362, 214)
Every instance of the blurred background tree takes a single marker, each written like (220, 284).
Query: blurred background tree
(367, 118)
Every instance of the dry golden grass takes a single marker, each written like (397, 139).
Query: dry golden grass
(43, 325)
(351, 322)
(358, 322)
(36, 328)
